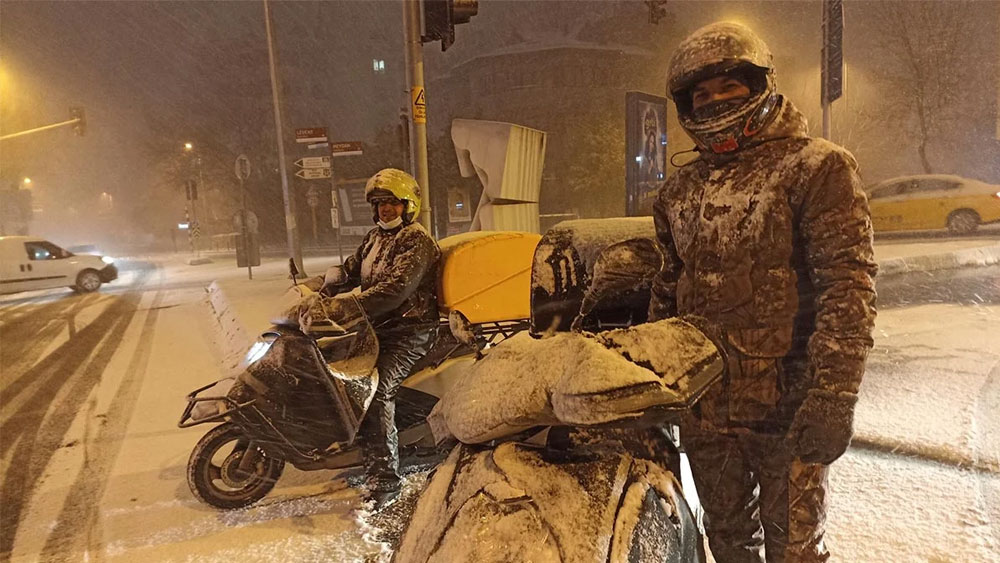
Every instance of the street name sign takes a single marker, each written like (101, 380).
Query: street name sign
(311, 135)
(346, 148)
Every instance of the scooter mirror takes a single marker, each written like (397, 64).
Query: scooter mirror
(292, 269)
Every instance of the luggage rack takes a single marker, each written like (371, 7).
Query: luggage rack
(504, 329)
(236, 408)
(193, 400)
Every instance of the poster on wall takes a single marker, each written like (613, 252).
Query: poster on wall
(645, 150)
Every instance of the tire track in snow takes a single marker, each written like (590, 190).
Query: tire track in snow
(25, 342)
(38, 427)
(80, 515)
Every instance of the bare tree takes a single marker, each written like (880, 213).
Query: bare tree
(925, 63)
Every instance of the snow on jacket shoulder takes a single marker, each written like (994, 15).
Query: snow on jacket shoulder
(774, 246)
(397, 272)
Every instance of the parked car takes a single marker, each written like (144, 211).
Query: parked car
(933, 201)
(30, 263)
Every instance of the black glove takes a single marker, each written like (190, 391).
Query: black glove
(822, 428)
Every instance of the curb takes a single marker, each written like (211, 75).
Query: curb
(966, 257)
(944, 456)
(234, 338)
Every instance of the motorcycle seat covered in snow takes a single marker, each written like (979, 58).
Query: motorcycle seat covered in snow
(578, 379)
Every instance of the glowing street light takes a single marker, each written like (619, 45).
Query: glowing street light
(27, 181)
(188, 146)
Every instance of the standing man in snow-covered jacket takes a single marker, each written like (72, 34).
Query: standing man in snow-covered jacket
(396, 267)
(767, 245)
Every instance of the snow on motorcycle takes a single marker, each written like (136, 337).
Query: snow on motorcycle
(566, 454)
(300, 398)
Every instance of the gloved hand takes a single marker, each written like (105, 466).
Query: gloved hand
(314, 284)
(322, 314)
(822, 428)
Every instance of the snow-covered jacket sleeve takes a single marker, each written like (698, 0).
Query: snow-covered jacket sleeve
(417, 252)
(837, 234)
(663, 294)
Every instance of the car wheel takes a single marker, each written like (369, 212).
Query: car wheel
(963, 222)
(87, 281)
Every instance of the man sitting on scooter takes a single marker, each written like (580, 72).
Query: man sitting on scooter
(396, 267)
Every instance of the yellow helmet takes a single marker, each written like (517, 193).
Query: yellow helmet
(396, 183)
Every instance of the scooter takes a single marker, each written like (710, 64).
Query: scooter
(300, 400)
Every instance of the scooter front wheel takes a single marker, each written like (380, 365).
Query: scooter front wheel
(214, 473)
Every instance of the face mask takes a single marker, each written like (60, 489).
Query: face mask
(716, 109)
(391, 224)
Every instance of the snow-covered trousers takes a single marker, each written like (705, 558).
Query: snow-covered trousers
(398, 352)
(784, 518)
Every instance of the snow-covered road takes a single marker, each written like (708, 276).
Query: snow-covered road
(92, 463)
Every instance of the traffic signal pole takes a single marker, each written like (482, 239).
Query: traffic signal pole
(418, 107)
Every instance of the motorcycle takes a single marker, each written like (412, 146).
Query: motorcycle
(300, 399)
(577, 459)
(571, 463)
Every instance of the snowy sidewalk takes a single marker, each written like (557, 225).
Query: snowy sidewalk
(929, 384)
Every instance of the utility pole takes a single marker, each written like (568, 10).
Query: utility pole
(440, 18)
(294, 248)
(418, 106)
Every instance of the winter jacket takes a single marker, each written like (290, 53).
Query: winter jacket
(773, 246)
(397, 272)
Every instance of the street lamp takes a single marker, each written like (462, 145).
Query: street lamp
(188, 146)
(27, 181)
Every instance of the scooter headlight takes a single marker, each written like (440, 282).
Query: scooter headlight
(258, 350)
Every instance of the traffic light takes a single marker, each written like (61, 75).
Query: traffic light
(441, 17)
(80, 127)
(191, 190)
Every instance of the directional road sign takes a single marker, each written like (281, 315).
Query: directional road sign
(313, 162)
(313, 173)
(311, 135)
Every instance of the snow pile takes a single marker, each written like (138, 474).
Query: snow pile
(577, 379)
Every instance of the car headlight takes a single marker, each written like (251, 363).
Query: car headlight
(107, 260)
(258, 350)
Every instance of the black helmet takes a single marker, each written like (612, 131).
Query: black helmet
(719, 49)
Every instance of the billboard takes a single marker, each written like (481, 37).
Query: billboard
(645, 150)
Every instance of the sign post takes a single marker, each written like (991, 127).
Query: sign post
(832, 67)
(312, 198)
(247, 247)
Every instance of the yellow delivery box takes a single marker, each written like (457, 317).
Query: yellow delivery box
(486, 275)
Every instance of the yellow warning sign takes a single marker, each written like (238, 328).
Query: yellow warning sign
(419, 104)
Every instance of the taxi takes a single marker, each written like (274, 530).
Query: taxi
(933, 201)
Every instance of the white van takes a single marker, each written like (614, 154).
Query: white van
(30, 263)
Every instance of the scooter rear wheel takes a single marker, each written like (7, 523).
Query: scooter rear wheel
(213, 470)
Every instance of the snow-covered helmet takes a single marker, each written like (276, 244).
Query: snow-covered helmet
(392, 182)
(723, 48)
